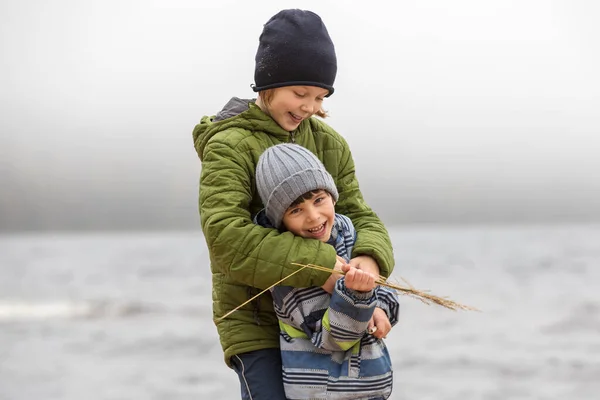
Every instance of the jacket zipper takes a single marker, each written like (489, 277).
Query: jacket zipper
(292, 137)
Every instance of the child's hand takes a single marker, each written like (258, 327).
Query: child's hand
(330, 282)
(379, 325)
(339, 264)
(357, 279)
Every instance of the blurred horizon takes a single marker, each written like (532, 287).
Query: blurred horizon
(100, 317)
(459, 112)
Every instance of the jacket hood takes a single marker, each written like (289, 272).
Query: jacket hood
(233, 107)
(237, 113)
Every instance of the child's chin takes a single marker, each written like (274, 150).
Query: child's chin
(323, 239)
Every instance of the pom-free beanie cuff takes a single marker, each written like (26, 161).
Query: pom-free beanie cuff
(283, 195)
(294, 83)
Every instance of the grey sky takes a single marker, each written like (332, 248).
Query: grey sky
(457, 111)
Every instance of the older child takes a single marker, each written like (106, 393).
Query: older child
(295, 70)
(325, 348)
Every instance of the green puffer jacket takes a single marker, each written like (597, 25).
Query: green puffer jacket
(246, 258)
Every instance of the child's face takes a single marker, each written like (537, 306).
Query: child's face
(312, 218)
(291, 105)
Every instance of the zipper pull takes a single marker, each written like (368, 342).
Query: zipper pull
(292, 137)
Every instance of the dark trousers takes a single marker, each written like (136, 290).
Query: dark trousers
(260, 374)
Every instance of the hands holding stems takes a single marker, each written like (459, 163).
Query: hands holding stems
(360, 275)
(357, 279)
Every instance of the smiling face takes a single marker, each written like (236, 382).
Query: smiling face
(290, 105)
(313, 217)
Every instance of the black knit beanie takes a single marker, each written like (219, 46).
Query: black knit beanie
(295, 49)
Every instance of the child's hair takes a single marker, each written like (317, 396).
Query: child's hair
(267, 95)
(307, 196)
(284, 173)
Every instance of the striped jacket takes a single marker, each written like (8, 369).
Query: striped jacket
(325, 350)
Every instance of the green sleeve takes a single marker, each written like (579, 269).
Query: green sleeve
(372, 237)
(245, 252)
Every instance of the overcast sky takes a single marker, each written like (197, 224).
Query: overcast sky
(456, 111)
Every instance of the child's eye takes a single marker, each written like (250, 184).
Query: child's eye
(319, 199)
(294, 211)
(301, 95)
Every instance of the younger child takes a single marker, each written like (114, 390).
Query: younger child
(325, 348)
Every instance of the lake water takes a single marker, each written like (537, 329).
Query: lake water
(128, 315)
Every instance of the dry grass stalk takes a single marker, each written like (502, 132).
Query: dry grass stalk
(253, 297)
(381, 280)
(407, 291)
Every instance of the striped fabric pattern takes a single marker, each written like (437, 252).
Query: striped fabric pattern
(326, 352)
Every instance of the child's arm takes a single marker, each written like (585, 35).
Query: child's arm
(329, 284)
(387, 300)
(346, 231)
(245, 252)
(372, 237)
(347, 318)
(343, 323)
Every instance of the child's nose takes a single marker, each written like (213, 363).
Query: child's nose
(309, 107)
(314, 215)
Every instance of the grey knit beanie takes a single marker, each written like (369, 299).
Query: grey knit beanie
(285, 172)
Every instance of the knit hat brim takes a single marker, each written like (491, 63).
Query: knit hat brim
(288, 190)
(294, 83)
